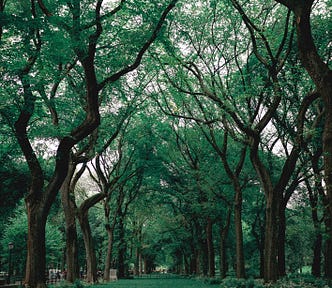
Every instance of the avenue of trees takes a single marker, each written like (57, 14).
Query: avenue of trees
(193, 136)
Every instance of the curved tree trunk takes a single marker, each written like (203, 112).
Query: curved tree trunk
(91, 262)
(83, 218)
(69, 208)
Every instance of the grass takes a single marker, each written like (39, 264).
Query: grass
(157, 283)
(294, 281)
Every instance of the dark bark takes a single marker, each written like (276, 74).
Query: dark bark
(83, 218)
(234, 176)
(223, 255)
(271, 215)
(109, 253)
(40, 199)
(271, 237)
(258, 228)
(122, 248)
(282, 223)
(240, 270)
(322, 77)
(2, 8)
(91, 262)
(204, 256)
(276, 194)
(315, 192)
(210, 248)
(35, 266)
(69, 208)
(317, 258)
(282, 241)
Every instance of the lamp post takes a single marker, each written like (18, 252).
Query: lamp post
(10, 248)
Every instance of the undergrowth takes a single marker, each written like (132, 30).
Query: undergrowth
(293, 281)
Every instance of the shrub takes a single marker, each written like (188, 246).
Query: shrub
(241, 283)
(301, 281)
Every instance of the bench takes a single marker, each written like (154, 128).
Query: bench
(113, 275)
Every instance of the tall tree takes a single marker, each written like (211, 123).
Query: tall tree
(82, 26)
(240, 102)
(321, 75)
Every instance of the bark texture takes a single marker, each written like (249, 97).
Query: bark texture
(322, 77)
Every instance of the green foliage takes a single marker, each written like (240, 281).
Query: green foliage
(14, 181)
(15, 230)
(301, 281)
(241, 283)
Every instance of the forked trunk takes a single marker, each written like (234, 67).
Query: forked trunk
(321, 74)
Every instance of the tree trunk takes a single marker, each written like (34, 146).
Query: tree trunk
(317, 259)
(223, 236)
(198, 261)
(192, 259)
(328, 250)
(240, 270)
(91, 262)
(69, 208)
(271, 237)
(259, 237)
(314, 193)
(210, 248)
(121, 249)
(281, 241)
(35, 266)
(321, 74)
(223, 257)
(71, 248)
(205, 257)
(109, 252)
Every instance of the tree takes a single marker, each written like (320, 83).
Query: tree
(83, 30)
(321, 75)
(247, 94)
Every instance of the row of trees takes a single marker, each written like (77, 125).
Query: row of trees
(241, 119)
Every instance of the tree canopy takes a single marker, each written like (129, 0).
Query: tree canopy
(193, 137)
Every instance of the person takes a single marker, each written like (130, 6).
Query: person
(64, 274)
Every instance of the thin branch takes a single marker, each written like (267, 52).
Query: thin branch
(141, 53)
